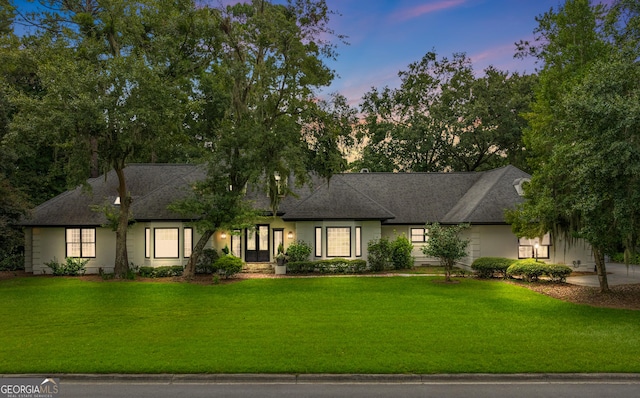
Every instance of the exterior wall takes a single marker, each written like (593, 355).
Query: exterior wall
(48, 244)
(306, 231)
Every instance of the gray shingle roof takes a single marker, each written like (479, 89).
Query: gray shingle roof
(393, 198)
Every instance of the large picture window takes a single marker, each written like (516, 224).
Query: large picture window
(338, 242)
(165, 243)
(81, 242)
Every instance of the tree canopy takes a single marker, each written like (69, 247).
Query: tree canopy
(444, 118)
(584, 131)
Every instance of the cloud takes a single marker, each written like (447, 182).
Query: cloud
(415, 12)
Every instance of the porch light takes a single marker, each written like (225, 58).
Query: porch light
(536, 249)
(290, 235)
(223, 235)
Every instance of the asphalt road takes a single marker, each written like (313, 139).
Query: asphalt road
(475, 386)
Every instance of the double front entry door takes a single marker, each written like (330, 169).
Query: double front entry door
(258, 247)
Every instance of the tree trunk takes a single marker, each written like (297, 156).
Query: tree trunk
(121, 266)
(190, 269)
(602, 270)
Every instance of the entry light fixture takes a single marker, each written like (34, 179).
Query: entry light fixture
(290, 235)
(223, 235)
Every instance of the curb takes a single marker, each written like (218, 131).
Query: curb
(248, 378)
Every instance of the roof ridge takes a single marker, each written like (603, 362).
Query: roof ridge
(499, 171)
(370, 198)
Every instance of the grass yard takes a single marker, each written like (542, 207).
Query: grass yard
(306, 325)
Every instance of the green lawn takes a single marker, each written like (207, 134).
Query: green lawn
(306, 325)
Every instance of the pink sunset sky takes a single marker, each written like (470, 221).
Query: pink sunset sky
(385, 36)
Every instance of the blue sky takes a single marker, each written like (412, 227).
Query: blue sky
(385, 36)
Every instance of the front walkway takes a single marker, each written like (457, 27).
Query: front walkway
(617, 274)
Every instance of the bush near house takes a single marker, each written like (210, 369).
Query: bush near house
(385, 254)
(72, 267)
(487, 267)
(531, 270)
(206, 260)
(379, 254)
(161, 272)
(298, 251)
(401, 249)
(228, 265)
(332, 266)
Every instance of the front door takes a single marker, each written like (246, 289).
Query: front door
(257, 245)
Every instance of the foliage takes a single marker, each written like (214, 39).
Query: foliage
(445, 244)
(259, 121)
(401, 249)
(531, 270)
(584, 131)
(330, 266)
(486, 267)
(228, 265)
(206, 261)
(442, 117)
(298, 251)
(161, 272)
(12, 262)
(71, 267)
(110, 93)
(379, 254)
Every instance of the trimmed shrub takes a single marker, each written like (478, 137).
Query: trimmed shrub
(401, 249)
(299, 251)
(72, 267)
(529, 269)
(379, 254)
(206, 260)
(228, 265)
(161, 272)
(301, 267)
(558, 272)
(332, 266)
(486, 267)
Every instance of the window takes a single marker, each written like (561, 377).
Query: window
(147, 242)
(165, 243)
(358, 241)
(318, 241)
(527, 247)
(338, 242)
(236, 243)
(188, 242)
(278, 239)
(417, 235)
(81, 242)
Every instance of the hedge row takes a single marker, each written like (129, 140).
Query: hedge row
(487, 267)
(332, 266)
(161, 272)
(531, 270)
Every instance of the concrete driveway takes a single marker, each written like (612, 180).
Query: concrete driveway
(617, 274)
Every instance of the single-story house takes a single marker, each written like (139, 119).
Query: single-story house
(336, 218)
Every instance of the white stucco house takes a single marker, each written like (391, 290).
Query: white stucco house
(337, 219)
